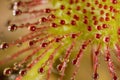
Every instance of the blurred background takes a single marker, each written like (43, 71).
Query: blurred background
(5, 35)
(85, 70)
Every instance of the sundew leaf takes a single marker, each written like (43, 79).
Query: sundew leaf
(64, 33)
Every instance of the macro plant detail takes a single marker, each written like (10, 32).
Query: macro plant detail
(66, 28)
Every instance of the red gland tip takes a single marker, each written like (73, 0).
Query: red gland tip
(17, 12)
(41, 70)
(74, 62)
(43, 19)
(95, 76)
(74, 35)
(54, 25)
(31, 43)
(57, 39)
(47, 10)
(62, 7)
(62, 22)
(73, 22)
(32, 28)
(44, 44)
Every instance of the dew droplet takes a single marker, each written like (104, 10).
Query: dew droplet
(44, 44)
(12, 27)
(95, 76)
(47, 10)
(59, 67)
(4, 46)
(7, 71)
(22, 72)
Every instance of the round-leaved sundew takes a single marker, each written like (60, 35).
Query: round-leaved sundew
(60, 33)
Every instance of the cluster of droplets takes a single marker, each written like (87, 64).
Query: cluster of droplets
(68, 22)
